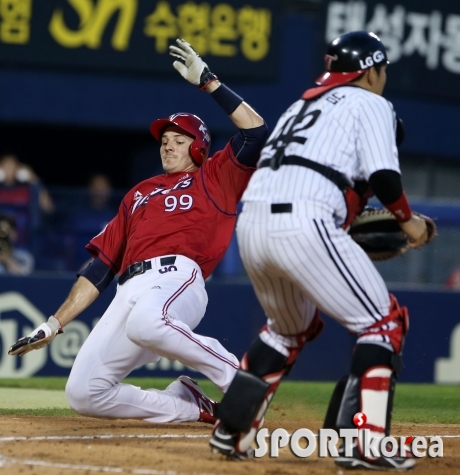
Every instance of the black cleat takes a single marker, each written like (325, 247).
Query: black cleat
(224, 442)
(389, 464)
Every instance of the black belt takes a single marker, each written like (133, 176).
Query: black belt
(333, 175)
(140, 267)
(281, 208)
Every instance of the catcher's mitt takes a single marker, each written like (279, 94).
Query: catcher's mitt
(378, 232)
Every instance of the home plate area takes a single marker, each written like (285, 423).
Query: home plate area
(79, 445)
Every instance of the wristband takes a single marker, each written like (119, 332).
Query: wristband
(226, 98)
(400, 208)
(206, 77)
(55, 324)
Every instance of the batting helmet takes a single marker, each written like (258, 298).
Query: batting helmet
(348, 57)
(192, 126)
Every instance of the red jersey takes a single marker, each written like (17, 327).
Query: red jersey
(188, 213)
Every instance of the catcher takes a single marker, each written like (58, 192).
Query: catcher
(330, 150)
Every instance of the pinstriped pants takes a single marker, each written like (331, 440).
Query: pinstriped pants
(301, 261)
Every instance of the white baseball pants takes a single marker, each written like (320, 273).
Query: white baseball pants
(301, 260)
(151, 315)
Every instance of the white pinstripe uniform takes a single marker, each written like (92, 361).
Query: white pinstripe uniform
(304, 259)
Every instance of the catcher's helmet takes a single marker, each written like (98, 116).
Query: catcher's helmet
(348, 57)
(193, 126)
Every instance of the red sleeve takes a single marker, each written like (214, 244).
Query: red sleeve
(109, 245)
(224, 170)
(400, 208)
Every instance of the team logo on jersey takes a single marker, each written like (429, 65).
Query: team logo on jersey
(140, 200)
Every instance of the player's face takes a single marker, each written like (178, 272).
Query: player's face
(174, 151)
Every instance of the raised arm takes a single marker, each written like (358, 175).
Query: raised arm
(244, 116)
(191, 66)
(253, 131)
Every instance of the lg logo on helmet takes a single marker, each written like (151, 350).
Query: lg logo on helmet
(376, 58)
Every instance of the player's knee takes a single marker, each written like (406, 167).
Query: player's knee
(77, 395)
(392, 328)
(86, 397)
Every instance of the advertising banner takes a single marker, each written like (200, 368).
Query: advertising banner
(234, 317)
(422, 39)
(133, 35)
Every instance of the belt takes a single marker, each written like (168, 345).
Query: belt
(140, 267)
(281, 208)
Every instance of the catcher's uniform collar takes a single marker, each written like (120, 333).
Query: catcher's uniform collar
(315, 92)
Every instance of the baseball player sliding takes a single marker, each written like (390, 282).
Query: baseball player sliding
(169, 234)
(329, 151)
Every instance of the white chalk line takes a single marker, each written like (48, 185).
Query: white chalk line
(146, 436)
(106, 436)
(8, 460)
(94, 468)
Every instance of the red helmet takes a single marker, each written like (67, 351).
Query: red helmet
(193, 126)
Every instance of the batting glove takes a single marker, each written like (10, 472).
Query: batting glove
(191, 66)
(40, 337)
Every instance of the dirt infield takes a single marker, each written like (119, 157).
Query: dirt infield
(79, 445)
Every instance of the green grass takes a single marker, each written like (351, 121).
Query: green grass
(427, 403)
(416, 403)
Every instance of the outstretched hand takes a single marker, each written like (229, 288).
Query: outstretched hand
(190, 65)
(43, 335)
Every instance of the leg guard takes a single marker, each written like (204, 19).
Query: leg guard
(253, 387)
(346, 399)
(369, 389)
(262, 368)
(369, 382)
(392, 329)
(330, 422)
(374, 391)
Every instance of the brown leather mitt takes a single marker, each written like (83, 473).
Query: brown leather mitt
(378, 232)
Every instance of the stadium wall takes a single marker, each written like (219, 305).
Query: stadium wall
(432, 352)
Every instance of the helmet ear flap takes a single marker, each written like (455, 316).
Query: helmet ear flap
(197, 153)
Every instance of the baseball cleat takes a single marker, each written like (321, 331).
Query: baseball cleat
(207, 407)
(224, 443)
(389, 464)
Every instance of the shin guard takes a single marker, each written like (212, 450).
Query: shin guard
(369, 389)
(330, 422)
(243, 406)
(392, 329)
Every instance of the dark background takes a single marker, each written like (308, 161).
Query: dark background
(68, 121)
(65, 156)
